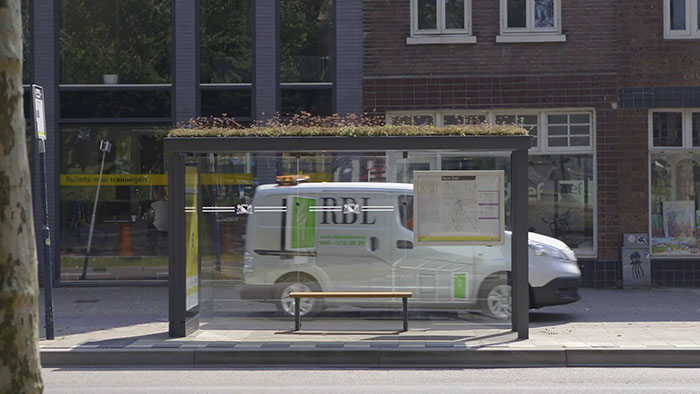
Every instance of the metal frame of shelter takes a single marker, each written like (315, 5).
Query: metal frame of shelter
(184, 322)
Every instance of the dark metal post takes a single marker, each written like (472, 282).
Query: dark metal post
(48, 254)
(176, 245)
(405, 314)
(519, 252)
(297, 315)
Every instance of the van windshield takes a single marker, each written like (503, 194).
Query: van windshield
(406, 211)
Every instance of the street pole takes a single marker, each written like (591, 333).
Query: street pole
(40, 127)
(105, 146)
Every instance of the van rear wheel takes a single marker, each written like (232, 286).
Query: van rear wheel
(308, 307)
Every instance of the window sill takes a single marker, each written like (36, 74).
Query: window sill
(681, 37)
(514, 38)
(443, 39)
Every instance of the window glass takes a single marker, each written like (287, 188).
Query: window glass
(560, 194)
(427, 14)
(675, 187)
(116, 104)
(678, 15)
(418, 120)
(406, 211)
(544, 13)
(130, 233)
(227, 103)
(517, 13)
(317, 101)
(306, 40)
(454, 14)
(572, 130)
(115, 41)
(225, 41)
(696, 128)
(453, 120)
(528, 122)
(667, 128)
(26, 42)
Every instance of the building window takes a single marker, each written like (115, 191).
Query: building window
(306, 57)
(568, 131)
(674, 128)
(562, 176)
(681, 19)
(529, 122)
(126, 242)
(441, 22)
(675, 182)
(225, 60)
(530, 21)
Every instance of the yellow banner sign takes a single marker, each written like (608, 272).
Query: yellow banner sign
(149, 179)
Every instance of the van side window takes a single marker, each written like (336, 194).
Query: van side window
(406, 211)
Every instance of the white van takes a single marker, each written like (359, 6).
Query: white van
(358, 237)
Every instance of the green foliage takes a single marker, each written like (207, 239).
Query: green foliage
(131, 38)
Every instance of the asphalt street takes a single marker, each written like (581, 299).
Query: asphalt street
(401, 381)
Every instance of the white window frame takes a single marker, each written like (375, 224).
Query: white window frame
(687, 131)
(441, 35)
(530, 33)
(692, 25)
(569, 148)
(542, 146)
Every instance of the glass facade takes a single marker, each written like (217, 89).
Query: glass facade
(115, 42)
(130, 231)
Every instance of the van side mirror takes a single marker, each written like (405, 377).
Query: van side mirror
(402, 244)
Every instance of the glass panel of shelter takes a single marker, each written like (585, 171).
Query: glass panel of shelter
(274, 223)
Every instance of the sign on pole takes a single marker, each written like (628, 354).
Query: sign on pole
(40, 126)
(458, 207)
(39, 112)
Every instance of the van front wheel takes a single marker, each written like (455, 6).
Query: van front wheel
(308, 307)
(495, 299)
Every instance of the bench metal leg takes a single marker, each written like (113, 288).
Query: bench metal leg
(297, 315)
(405, 314)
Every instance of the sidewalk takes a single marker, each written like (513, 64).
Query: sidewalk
(128, 326)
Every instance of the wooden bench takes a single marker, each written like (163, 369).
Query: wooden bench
(298, 295)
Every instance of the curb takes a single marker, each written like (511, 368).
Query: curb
(372, 358)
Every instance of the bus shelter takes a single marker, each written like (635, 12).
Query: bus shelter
(217, 184)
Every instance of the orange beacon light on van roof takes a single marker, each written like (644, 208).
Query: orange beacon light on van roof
(291, 180)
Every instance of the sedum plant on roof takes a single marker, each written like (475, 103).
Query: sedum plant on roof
(304, 125)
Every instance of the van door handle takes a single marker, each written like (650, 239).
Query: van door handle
(373, 244)
(402, 244)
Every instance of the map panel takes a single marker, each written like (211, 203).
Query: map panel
(459, 207)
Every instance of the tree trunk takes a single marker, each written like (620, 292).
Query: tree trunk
(20, 371)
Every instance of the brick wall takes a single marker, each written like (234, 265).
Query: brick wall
(646, 58)
(590, 44)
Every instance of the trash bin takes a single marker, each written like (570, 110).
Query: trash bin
(636, 264)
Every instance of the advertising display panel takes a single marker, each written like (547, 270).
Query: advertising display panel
(192, 228)
(459, 207)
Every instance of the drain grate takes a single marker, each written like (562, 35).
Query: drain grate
(86, 301)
